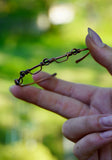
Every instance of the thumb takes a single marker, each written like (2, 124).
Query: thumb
(99, 51)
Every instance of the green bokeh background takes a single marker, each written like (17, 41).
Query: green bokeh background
(28, 132)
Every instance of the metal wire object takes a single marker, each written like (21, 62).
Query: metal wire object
(46, 62)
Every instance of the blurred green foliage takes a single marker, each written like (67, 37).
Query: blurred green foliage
(28, 132)
(29, 151)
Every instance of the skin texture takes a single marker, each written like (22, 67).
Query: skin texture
(83, 105)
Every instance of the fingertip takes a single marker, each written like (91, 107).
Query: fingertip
(90, 43)
(12, 89)
(96, 39)
(15, 90)
(88, 39)
(102, 55)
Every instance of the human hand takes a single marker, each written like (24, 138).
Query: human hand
(92, 136)
(70, 99)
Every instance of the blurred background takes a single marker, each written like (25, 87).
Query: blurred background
(31, 30)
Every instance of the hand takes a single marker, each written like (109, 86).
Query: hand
(69, 99)
(93, 136)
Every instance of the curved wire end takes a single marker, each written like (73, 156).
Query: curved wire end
(38, 81)
(77, 61)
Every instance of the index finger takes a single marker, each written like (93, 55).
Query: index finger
(78, 91)
(62, 105)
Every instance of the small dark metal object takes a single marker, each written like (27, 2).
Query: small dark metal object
(46, 62)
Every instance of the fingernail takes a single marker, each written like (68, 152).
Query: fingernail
(106, 121)
(107, 134)
(96, 38)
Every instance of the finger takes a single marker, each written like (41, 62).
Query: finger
(88, 145)
(100, 52)
(62, 105)
(95, 156)
(105, 152)
(78, 91)
(76, 128)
